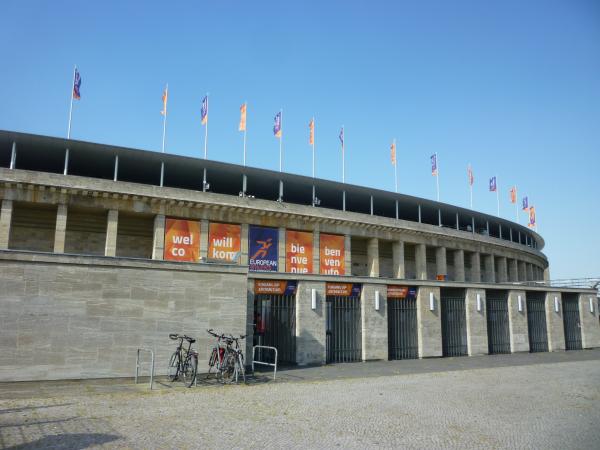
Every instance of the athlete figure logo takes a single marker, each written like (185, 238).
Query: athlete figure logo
(262, 252)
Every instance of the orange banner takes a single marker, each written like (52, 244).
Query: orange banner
(298, 252)
(224, 241)
(182, 240)
(342, 289)
(397, 291)
(331, 254)
(277, 287)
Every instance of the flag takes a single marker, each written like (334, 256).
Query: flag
(342, 136)
(513, 194)
(470, 175)
(525, 204)
(204, 110)
(434, 167)
(277, 125)
(393, 153)
(242, 126)
(493, 184)
(311, 135)
(532, 216)
(164, 99)
(76, 85)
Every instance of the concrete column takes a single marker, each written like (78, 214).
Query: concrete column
(281, 253)
(428, 323)
(373, 257)
(61, 228)
(111, 233)
(513, 270)
(590, 331)
(316, 252)
(489, 275)
(398, 260)
(348, 254)
(250, 318)
(310, 324)
(477, 338)
(204, 227)
(475, 267)
(158, 246)
(374, 323)
(244, 245)
(459, 265)
(440, 261)
(5, 220)
(547, 274)
(522, 271)
(529, 268)
(421, 261)
(502, 270)
(554, 322)
(517, 322)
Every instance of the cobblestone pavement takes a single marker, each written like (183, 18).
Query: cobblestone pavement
(554, 405)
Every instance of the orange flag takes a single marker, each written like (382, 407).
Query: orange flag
(242, 126)
(393, 153)
(311, 127)
(164, 99)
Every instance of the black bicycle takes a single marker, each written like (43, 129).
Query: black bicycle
(184, 361)
(232, 365)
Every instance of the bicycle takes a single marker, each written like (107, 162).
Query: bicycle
(215, 360)
(184, 362)
(232, 365)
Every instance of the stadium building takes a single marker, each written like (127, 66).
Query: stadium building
(106, 249)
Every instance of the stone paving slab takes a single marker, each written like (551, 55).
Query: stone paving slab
(550, 405)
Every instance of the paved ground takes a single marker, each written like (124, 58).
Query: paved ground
(511, 401)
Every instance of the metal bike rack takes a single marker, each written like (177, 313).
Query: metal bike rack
(274, 365)
(137, 365)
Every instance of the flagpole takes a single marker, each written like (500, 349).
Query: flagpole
(206, 129)
(395, 167)
(281, 140)
(343, 156)
(313, 147)
(165, 117)
(245, 109)
(437, 176)
(497, 197)
(471, 185)
(71, 107)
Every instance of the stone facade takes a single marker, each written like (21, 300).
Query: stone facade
(477, 338)
(81, 317)
(429, 324)
(374, 323)
(517, 321)
(310, 324)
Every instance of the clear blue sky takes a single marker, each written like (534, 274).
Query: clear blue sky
(511, 87)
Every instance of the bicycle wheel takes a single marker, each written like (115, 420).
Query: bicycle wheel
(212, 362)
(190, 369)
(173, 369)
(227, 367)
(240, 367)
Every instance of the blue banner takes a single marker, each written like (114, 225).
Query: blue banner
(263, 246)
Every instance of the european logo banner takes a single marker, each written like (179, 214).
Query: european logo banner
(182, 240)
(264, 249)
(434, 169)
(204, 111)
(224, 242)
(525, 204)
(493, 184)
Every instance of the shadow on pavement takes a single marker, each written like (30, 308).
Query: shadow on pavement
(73, 441)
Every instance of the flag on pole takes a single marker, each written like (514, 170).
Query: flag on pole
(277, 125)
(434, 167)
(342, 136)
(470, 175)
(525, 204)
(164, 99)
(513, 194)
(76, 85)
(242, 126)
(532, 217)
(311, 135)
(393, 153)
(493, 184)
(204, 110)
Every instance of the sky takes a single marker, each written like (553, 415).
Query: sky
(510, 87)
